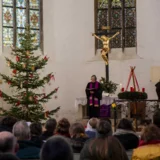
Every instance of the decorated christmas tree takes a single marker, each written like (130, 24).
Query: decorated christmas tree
(27, 102)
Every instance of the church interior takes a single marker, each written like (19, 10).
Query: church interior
(93, 62)
(65, 36)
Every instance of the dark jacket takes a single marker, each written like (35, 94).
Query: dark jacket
(78, 143)
(28, 150)
(37, 141)
(45, 135)
(91, 134)
(128, 140)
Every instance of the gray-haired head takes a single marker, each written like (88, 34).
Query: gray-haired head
(56, 148)
(8, 142)
(21, 130)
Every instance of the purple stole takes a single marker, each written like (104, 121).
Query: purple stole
(93, 101)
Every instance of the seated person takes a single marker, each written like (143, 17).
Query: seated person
(56, 148)
(8, 143)
(63, 128)
(27, 148)
(149, 147)
(91, 128)
(50, 127)
(36, 131)
(126, 134)
(78, 137)
(6, 123)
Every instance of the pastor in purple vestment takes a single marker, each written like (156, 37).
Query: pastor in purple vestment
(94, 95)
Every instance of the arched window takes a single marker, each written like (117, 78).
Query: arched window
(119, 15)
(18, 13)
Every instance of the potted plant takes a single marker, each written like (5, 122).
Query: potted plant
(108, 87)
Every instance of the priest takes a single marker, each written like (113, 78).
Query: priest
(94, 95)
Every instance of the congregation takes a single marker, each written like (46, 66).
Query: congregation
(64, 141)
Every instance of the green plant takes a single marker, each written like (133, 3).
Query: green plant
(108, 86)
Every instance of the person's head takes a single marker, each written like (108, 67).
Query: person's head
(8, 142)
(21, 130)
(93, 122)
(104, 129)
(63, 126)
(36, 129)
(8, 156)
(107, 119)
(93, 78)
(105, 148)
(156, 118)
(77, 130)
(125, 124)
(8, 121)
(56, 148)
(150, 132)
(51, 125)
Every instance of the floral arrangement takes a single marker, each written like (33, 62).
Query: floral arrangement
(108, 86)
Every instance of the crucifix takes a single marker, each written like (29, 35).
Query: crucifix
(103, 37)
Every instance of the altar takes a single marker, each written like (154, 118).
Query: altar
(105, 111)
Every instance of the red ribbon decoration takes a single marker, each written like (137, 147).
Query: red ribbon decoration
(45, 58)
(14, 71)
(17, 59)
(18, 103)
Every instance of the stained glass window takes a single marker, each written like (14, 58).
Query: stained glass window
(119, 15)
(18, 13)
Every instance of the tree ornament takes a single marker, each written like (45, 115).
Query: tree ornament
(18, 103)
(45, 58)
(56, 97)
(46, 81)
(56, 89)
(8, 63)
(44, 95)
(46, 114)
(31, 75)
(23, 65)
(33, 68)
(21, 85)
(17, 59)
(14, 71)
(27, 53)
(30, 98)
(52, 77)
(9, 82)
(0, 93)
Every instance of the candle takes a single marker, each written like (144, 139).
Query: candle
(143, 89)
(122, 90)
(131, 89)
(120, 86)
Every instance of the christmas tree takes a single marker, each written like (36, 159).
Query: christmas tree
(26, 102)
